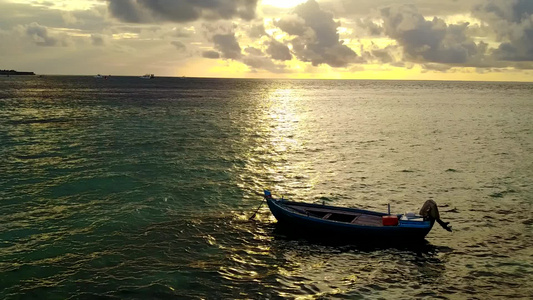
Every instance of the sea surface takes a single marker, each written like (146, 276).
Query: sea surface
(143, 189)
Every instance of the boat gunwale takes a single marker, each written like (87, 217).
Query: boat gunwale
(406, 226)
(321, 207)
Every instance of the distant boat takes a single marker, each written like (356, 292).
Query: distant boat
(101, 76)
(148, 76)
(346, 223)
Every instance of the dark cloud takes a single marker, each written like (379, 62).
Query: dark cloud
(228, 45)
(211, 54)
(520, 49)
(97, 40)
(229, 48)
(428, 41)
(257, 30)
(435, 67)
(383, 55)
(253, 51)
(179, 45)
(225, 41)
(292, 24)
(180, 11)
(210, 29)
(524, 66)
(515, 11)
(372, 28)
(13, 14)
(317, 40)
(512, 22)
(261, 62)
(366, 8)
(40, 36)
(278, 50)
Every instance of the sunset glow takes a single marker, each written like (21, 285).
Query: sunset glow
(270, 39)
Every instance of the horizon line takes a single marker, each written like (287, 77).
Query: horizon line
(276, 78)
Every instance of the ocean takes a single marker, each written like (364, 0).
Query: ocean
(124, 188)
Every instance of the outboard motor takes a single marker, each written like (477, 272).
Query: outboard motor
(430, 212)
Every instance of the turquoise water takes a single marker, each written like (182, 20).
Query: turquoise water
(142, 189)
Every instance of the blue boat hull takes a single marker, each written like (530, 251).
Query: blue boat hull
(304, 224)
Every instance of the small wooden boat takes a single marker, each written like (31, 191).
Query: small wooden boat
(341, 222)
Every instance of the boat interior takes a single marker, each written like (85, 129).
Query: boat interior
(339, 216)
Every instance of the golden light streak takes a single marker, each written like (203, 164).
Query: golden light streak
(125, 35)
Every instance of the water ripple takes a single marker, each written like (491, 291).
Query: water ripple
(128, 190)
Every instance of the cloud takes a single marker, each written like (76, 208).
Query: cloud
(428, 41)
(499, 36)
(257, 30)
(383, 55)
(228, 45)
(512, 22)
(254, 51)
(292, 24)
(371, 8)
(317, 40)
(261, 62)
(370, 26)
(512, 11)
(185, 33)
(97, 40)
(40, 36)
(69, 18)
(278, 50)
(435, 67)
(87, 21)
(12, 14)
(211, 54)
(180, 11)
(228, 48)
(179, 45)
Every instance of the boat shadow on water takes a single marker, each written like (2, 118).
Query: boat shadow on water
(284, 234)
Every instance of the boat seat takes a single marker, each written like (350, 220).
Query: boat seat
(355, 219)
(368, 220)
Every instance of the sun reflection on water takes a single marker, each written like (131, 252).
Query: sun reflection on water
(286, 116)
(284, 119)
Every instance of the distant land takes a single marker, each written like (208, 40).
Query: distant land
(13, 72)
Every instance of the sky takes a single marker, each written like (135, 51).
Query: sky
(486, 40)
